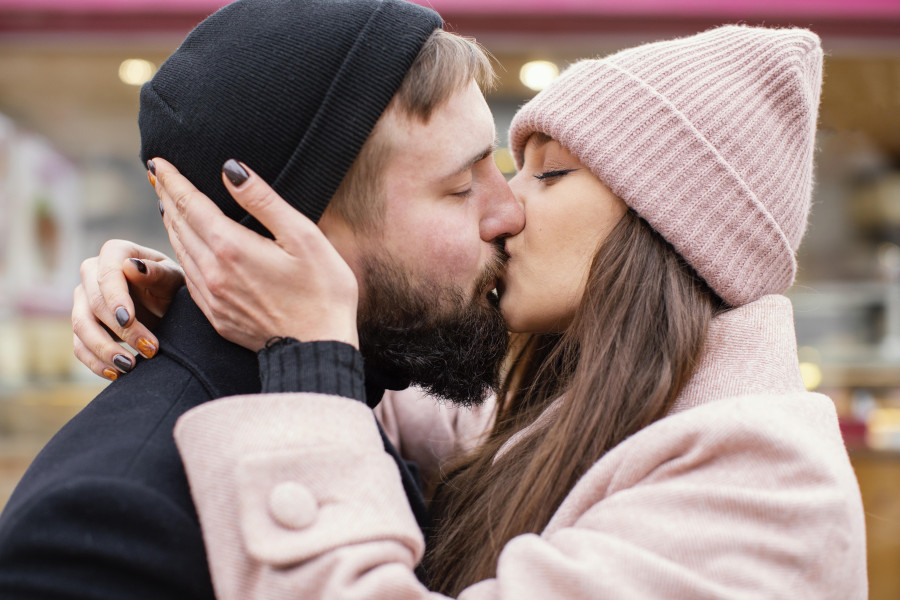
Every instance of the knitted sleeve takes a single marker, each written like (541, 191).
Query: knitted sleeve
(322, 367)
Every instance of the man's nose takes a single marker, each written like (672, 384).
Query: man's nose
(504, 215)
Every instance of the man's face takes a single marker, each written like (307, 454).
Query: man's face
(427, 270)
(445, 201)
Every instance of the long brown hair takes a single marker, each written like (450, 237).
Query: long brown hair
(631, 348)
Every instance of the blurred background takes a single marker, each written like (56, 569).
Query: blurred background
(70, 178)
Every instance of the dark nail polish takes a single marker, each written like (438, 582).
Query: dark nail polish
(122, 316)
(235, 172)
(159, 205)
(122, 363)
(140, 265)
(151, 167)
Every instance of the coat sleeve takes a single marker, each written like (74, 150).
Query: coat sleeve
(101, 538)
(298, 500)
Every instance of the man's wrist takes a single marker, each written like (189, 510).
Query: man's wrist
(323, 367)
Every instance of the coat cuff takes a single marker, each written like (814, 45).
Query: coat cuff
(298, 474)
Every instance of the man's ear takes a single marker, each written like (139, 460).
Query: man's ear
(343, 237)
(331, 221)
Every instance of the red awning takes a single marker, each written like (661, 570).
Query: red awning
(683, 8)
(875, 17)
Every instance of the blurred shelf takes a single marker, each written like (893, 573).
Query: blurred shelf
(43, 408)
(866, 375)
(29, 417)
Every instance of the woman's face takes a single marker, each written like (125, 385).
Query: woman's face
(568, 213)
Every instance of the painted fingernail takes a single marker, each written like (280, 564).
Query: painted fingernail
(146, 348)
(110, 374)
(235, 172)
(141, 266)
(151, 178)
(151, 167)
(162, 211)
(122, 363)
(122, 316)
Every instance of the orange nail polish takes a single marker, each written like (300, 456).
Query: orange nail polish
(146, 348)
(110, 374)
(151, 178)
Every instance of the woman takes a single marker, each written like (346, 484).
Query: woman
(654, 438)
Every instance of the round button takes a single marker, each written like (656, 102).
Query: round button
(292, 505)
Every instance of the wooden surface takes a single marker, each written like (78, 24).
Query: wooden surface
(879, 481)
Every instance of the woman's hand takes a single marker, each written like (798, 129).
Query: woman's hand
(123, 293)
(252, 288)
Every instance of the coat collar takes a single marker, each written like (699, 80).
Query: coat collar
(751, 349)
(748, 350)
(222, 368)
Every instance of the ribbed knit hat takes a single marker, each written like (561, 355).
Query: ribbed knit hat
(709, 138)
(290, 87)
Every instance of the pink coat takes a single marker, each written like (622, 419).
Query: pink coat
(744, 491)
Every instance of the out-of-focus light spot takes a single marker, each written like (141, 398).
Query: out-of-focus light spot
(883, 429)
(136, 71)
(504, 160)
(538, 74)
(889, 255)
(811, 375)
(809, 354)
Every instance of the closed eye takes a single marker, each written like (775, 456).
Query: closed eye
(553, 174)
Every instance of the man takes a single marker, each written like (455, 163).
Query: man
(295, 89)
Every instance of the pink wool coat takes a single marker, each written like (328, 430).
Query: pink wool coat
(744, 491)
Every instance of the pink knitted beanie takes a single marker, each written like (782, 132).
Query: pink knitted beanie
(709, 138)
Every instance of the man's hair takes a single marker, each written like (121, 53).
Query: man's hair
(445, 64)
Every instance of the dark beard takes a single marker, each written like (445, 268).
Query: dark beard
(450, 345)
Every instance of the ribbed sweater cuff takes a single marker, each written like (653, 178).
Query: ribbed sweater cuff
(329, 367)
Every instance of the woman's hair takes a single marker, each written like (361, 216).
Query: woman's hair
(632, 346)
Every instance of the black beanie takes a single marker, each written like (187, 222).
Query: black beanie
(292, 88)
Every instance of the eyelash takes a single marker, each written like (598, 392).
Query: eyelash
(464, 194)
(552, 174)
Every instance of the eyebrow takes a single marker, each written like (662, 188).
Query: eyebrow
(475, 159)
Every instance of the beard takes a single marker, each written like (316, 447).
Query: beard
(433, 335)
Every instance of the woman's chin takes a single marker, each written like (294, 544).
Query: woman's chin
(536, 321)
(507, 314)
(513, 318)
(519, 314)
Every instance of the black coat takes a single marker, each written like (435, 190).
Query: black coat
(105, 511)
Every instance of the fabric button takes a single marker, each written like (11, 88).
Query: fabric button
(292, 505)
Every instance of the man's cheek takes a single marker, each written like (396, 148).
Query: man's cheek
(450, 258)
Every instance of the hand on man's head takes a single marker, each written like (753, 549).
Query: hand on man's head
(252, 288)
